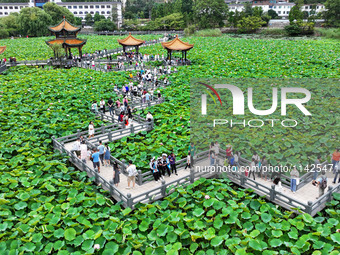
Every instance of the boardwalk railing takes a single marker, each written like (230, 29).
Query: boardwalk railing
(279, 198)
(2, 67)
(285, 179)
(114, 192)
(149, 32)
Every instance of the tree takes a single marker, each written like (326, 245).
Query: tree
(272, 14)
(250, 24)
(257, 11)
(114, 15)
(104, 25)
(98, 17)
(78, 21)
(332, 13)
(58, 12)
(10, 24)
(88, 19)
(248, 9)
(295, 14)
(211, 13)
(33, 21)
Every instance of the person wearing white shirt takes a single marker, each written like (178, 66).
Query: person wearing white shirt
(76, 147)
(149, 117)
(83, 152)
(132, 172)
(91, 129)
(188, 162)
(102, 105)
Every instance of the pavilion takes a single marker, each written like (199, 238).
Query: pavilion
(177, 45)
(2, 49)
(130, 41)
(66, 36)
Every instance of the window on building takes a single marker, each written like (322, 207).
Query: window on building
(97, 6)
(287, 12)
(86, 12)
(103, 6)
(92, 12)
(279, 12)
(80, 12)
(280, 6)
(91, 6)
(108, 12)
(5, 7)
(274, 7)
(103, 12)
(74, 7)
(0, 7)
(16, 7)
(80, 7)
(0, 13)
(6, 13)
(97, 12)
(75, 12)
(108, 6)
(11, 7)
(69, 7)
(21, 7)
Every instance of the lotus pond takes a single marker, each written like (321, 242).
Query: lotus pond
(35, 48)
(49, 207)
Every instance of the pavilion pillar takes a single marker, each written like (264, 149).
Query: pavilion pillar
(123, 48)
(69, 52)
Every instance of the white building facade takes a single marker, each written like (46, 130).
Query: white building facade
(79, 9)
(281, 8)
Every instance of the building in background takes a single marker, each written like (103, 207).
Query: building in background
(281, 7)
(79, 9)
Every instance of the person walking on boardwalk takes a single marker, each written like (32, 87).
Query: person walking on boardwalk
(149, 117)
(94, 107)
(256, 158)
(335, 158)
(76, 147)
(101, 149)
(95, 159)
(132, 172)
(129, 112)
(116, 172)
(154, 170)
(107, 155)
(102, 105)
(264, 168)
(172, 160)
(83, 151)
(166, 164)
(212, 157)
(118, 103)
(229, 151)
(125, 102)
(126, 120)
(188, 162)
(91, 129)
(192, 152)
(252, 168)
(294, 175)
(161, 171)
(110, 105)
(315, 170)
(321, 182)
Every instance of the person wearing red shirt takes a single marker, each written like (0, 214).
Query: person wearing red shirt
(229, 151)
(335, 158)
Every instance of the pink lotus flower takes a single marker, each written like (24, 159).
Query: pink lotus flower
(273, 135)
(161, 143)
(206, 196)
(182, 126)
(48, 109)
(96, 246)
(180, 117)
(283, 139)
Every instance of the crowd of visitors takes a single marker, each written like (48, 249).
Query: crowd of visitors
(163, 165)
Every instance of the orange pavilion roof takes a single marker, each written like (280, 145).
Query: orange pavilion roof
(68, 42)
(64, 24)
(177, 44)
(130, 41)
(2, 49)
